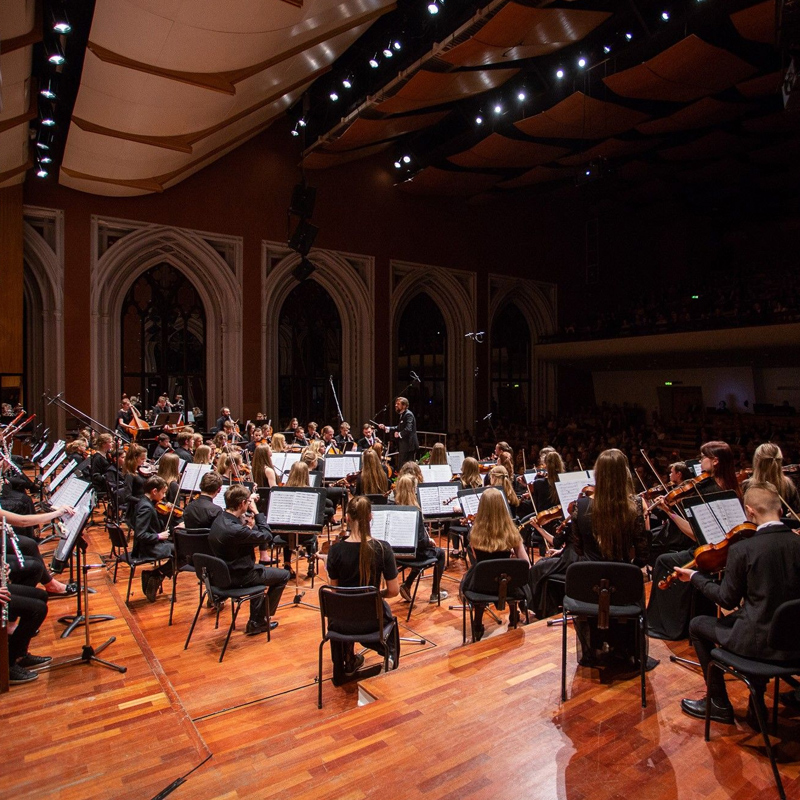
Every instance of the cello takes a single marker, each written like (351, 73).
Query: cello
(137, 424)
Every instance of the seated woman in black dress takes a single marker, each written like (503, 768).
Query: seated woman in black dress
(499, 478)
(470, 478)
(494, 535)
(361, 560)
(372, 479)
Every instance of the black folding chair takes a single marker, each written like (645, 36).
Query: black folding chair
(606, 591)
(497, 581)
(215, 577)
(782, 637)
(120, 555)
(358, 607)
(420, 564)
(187, 544)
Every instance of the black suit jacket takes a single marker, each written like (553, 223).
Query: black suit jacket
(183, 454)
(407, 428)
(365, 444)
(233, 542)
(146, 527)
(201, 513)
(763, 572)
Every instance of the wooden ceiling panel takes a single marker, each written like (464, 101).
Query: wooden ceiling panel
(518, 32)
(687, 71)
(581, 117)
(702, 114)
(538, 175)
(724, 171)
(712, 145)
(779, 122)
(322, 160)
(756, 23)
(498, 151)
(762, 86)
(370, 131)
(440, 182)
(434, 88)
(610, 149)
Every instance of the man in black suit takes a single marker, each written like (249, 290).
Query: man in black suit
(405, 431)
(225, 416)
(234, 534)
(163, 446)
(149, 538)
(762, 573)
(369, 438)
(180, 449)
(202, 512)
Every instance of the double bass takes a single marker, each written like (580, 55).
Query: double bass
(137, 424)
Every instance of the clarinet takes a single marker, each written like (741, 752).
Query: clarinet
(4, 575)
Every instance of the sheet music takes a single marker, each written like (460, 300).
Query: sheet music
(585, 475)
(336, 467)
(190, 480)
(530, 477)
(55, 465)
(68, 470)
(70, 493)
(436, 473)
(396, 525)
(57, 448)
(313, 479)
(292, 508)
(219, 497)
(181, 466)
(432, 498)
(470, 500)
(456, 461)
(283, 462)
(716, 517)
(40, 448)
(73, 526)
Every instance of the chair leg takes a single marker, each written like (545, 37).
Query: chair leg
(194, 621)
(116, 566)
(131, 571)
(174, 595)
(414, 596)
(642, 657)
(761, 715)
(464, 622)
(234, 613)
(319, 675)
(564, 657)
(776, 696)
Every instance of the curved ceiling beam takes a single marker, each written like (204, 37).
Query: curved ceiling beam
(33, 36)
(225, 82)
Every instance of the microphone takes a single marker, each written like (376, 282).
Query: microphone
(488, 416)
(416, 377)
(53, 399)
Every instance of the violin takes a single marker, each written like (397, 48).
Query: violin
(166, 508)
(685, 489)
(713, 557)
(587, 491)
(549, 515)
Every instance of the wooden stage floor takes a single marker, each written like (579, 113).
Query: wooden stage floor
(479, 721)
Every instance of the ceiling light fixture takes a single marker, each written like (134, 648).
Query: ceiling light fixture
(665, 16)
(347, 82)
(406, 159)
(373, 62)
(629, 36)
(334, 96)
(521, 95)
(396, 45)
(433, 7)
(479, 120)
(60, 21)
(48, 90)
(559, 73)
(56, 55)
(581, 62)
(607, 49)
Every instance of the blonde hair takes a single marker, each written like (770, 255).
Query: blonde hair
(555, 466)
(168, 467)
(498, 476)
(373, 478)
(405, 491)
(471, 473)
(359, 511)
(278, 443)
(493, 529)
(412, 468)
(298, 475)
(135, 452)
(438, 454)
(768, 467)
(202, 454)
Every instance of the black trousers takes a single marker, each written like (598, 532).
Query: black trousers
(33, 571)
(260, 575)
(29, 606)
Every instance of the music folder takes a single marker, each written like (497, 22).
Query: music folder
(469, 500)
(191, 476)
(439, 499)
(712, 516)
(398, 526)
(296, 508)
(337, 467)
(436, 473)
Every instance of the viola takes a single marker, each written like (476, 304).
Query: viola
(549, 515)
(713, 557)
(167, 508)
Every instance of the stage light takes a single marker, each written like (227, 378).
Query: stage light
(387, 51)
(347, 82)
(45, 160)
(629, 36)
(48, 122)
(373, 62)
(479, 120)
(607, 49)
(498, 109)
(396, 45)
(56, 56)
(406, 159)
(665, 16)
(48, 90)
(559, 73)
(433, 7)
(581, 62)
(334, 96)
(295, 132)
(521, 95)
(41, 173)
(301, 122)
(397, 165)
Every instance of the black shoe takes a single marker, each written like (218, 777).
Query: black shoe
(146, 574)
(31, 662)
(18, 674)
(152, 587)
(292, 573)
(255, 628)
(351, 667)
(720, 711)
(477, 632)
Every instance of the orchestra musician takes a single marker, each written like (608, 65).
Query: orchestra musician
(263, 470)
(225, 416)
(372, 479)
(405, 431)
(762, 572)
(311, 432)
(133, 469)
(499, 478)
(298, 476)
(202, 454)
(149, 538)
(255, 440)
(163, 446)
(438, 454)
(300, 437)
(768, 468)
(234, 535)
(368, 439)
(344, 439)
(162, 406)
(470, 478)
(169, 470)
(279, 443)
(201, 512)
(668, 536)
(181, 448)
(668, 611)
(99, 462)
(124, 417)
(329, 444)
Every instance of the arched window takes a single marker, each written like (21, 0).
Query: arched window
(164, 338)
(422, 349)
(310, 352)
(511, 366)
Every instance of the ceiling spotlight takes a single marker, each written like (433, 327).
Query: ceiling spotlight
(295, 132)
(406, 159)
(60, 21)
(397, 164)
(373, 62)
(665, 16)
(41, 173)
(521, 95)
(301, 122)
(433, 7)
(629, 36)
(347, 82)
(396, 44)
(334, 96)
(48, 121)
(387, 51)
(498, 109)
(479, 120)
(581, 62)
(45, 160)
(48, 90)
(56, 56)
(607, 49)
(47, 113)
(559, 73)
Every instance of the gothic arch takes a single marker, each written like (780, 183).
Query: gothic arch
(115, 271)
(44, 292)
(454, 293)
(348, 280)
(537, 302)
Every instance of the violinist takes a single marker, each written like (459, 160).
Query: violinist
(668, 612)
(98, 465)
(279, 442)
(498, 477)
(168, 469)
(300, 437)
(135, 476)
(76, 451)
(149, 540)
(334, 495)
(768, 468)
(263, 470)
(368, 438)
(163, 446)
(255, 440)
(202, 511)
(329, 444)
(470, 478)
(181, 449)
(762, 573)
(372, 479)
(195, 442)
(298, 476)
(438, 454)
(668, 537)
(115, 482)
(229, 466)
(311, 432)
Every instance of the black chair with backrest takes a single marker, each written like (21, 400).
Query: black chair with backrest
(355, 607)
(120, 555)
(420, 564)
(187, 544)
(605, 591)
(497, 581)
(377, 499)
(782, 637)
(215, 577)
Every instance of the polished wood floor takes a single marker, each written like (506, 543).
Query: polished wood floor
(479, 721)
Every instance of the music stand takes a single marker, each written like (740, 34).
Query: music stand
(74, 544)
(296, 510)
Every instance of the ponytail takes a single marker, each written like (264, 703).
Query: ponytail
(359, 510)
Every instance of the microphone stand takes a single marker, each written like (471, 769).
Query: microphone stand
(336, 399)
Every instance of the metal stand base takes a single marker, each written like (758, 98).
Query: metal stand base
(73, 620)
(685, 661)
(88, 656)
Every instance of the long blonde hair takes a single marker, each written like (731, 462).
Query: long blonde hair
(262, 459)
(298, 475)
(359, 510)
(613, 509)
(493, 529)
(768, 467)
(438, 454)
(202, 454)
(134, 453)
(471, 474)
(168, 467)
(373, 478)
(405, 491)
(278, 443)
(554, 465)
(412, 468)
(498, 476)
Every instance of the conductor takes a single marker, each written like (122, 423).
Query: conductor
(405, 431)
